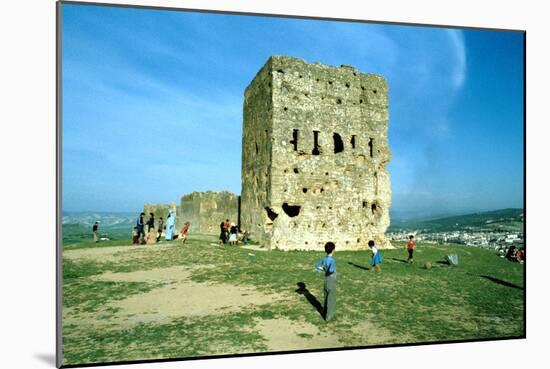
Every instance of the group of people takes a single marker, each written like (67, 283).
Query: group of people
(516, 254)
(230, 233)
(166, 229)
(327, 265)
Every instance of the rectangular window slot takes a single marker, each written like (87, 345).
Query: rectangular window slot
(371, 144)
(315, 150)
(294, 140)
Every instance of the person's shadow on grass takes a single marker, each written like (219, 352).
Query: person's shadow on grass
(502, 282)
(358, 266)
(302, 290)
(401, 260)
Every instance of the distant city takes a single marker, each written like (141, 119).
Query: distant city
(493, 229)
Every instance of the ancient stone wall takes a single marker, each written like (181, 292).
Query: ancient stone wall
(315, 151)
(206, 210)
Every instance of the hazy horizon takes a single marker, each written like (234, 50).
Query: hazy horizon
(394, 215)
(152, 105)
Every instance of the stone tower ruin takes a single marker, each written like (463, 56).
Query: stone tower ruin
(315, 151)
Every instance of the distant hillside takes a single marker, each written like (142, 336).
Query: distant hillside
(504, 219)
(106, 219)
(77, 226)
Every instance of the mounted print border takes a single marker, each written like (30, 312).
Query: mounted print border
(234, 184)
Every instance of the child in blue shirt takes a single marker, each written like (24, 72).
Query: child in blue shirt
(327, 265)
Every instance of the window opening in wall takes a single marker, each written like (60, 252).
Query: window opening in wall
(373, 208)
(295, 139)
(338, 143)
(352, 141)
(304, 190)
(364, 204)
(371, 144)
(280, 71)
(338, 101)
(347, 85)
(296, 170)
(373, 91)
(291, 210)
(270, 213)
(256, 147)
(315, 150)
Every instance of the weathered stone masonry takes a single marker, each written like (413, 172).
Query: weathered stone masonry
(206, 210)
(315, 151)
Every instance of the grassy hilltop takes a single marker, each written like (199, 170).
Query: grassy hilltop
(173, 301)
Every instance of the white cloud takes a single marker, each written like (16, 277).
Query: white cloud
(457, 41)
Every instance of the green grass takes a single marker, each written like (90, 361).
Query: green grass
(480, 298)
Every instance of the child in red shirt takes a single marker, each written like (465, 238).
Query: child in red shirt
(410, 248)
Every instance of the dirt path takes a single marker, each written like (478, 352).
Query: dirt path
(177, 296)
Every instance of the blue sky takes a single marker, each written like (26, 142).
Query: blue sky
(152, 104)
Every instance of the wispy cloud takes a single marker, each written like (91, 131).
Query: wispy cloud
(457, 40)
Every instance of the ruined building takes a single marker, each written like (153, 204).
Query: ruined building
(206, 210)
(315, 151)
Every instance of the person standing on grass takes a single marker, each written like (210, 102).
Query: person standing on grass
(160, 228)
(222, 233)
(327, 265)
(376, 257)
(151, 222)
(233, 234)
(170, 225)
(139, 226)
(410, 249)
(95, 229)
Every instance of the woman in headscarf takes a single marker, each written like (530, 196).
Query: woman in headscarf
(170, 225)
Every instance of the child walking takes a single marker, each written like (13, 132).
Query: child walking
(410, 249)
(327, 265)
(376, 257)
